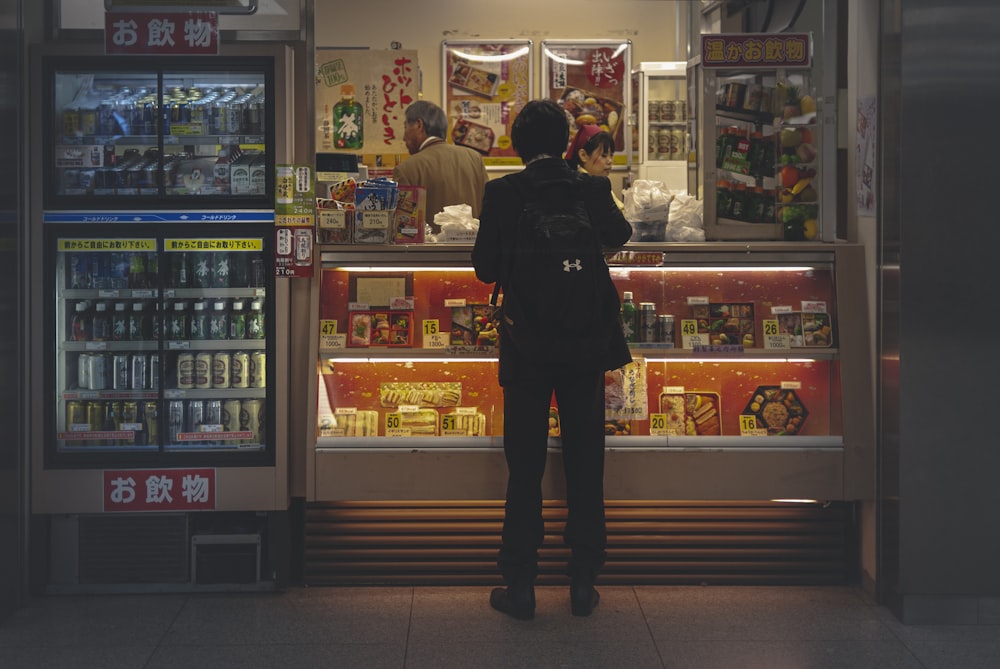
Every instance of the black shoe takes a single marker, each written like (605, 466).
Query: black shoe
(517, 601)
(583, 598)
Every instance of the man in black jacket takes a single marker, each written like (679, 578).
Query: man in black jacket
(539, 135)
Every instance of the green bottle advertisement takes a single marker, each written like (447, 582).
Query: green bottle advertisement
(348, 120)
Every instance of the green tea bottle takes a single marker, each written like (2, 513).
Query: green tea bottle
(348, 120)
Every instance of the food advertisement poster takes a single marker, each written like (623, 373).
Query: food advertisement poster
(361, 97)
(590, 81)
(485, 86)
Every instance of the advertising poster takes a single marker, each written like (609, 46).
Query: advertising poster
(865, 155)
(361, 97)
(294, 221)
(485, 85)
(590, 80)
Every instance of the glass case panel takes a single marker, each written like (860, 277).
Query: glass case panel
(161, 344)
(719, 380)
(126, 137)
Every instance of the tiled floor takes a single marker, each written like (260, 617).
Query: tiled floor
(441, 627)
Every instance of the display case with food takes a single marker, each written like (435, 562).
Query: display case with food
(442, 393)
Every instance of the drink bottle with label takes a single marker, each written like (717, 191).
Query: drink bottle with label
(628, 317)
(348, 120)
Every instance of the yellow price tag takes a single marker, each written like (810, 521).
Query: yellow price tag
(430, 326)
(689, 327)
(449, 422)
(328, 327)
(658, 425)
(748, 423)
(770, 326)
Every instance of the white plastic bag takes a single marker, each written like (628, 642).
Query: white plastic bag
(456, 225)
(685, 223)
(647, 201)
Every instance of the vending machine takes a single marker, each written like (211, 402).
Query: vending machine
(159, 410)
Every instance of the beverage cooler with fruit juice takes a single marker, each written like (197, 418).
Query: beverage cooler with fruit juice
(159, 407)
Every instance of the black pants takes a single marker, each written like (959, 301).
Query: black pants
(579, 394)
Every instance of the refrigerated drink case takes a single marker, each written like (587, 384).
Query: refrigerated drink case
(151, 360)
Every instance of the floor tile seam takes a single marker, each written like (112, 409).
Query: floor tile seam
(409, 626)
(649, 629)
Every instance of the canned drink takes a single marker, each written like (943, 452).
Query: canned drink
(668, 110)
(257, 376)
(140, 372)
(120, 377)
(175, 421)
(251, 414)
(663, 151)
(647, 322)
(71, 122)
(97, 371)
(154, 372)
(195, 411)
(203, 370)
(653, 110)
(96, 414)
(185, 371)
(665, 324)
(130, 423)
(83, 371)
(221, 363)
(231, 418)
(213, 413)
(678, 144)
(239, 370)
(151, 423)
(76, 414)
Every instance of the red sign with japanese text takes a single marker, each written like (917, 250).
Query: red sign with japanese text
(161, 33)
(159, 490)
(749, 50)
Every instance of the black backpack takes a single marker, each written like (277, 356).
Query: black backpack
(556, 301)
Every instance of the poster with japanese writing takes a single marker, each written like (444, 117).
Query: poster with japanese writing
(361, 97)
(485, 85)
(590, 81)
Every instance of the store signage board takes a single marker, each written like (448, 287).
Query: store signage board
(144, 490)
(217, 6)
(161, 33)
(757, 50)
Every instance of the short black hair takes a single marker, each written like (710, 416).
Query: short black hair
(541, 128)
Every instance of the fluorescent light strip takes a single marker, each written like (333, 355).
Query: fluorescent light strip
(407, 361)
(492, 58)
(614, 268)
(710, 359)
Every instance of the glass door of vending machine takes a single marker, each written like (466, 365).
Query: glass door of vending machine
(161, 345)
(127, 133)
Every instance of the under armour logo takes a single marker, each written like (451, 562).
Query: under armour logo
(567, 265)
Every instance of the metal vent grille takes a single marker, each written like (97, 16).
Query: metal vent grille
(649, 543)
(134, 549)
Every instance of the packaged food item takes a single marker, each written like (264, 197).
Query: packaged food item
(673, 407)
(410, 216)
(554, 427)
(777, 409)
(351, 424)
(726, 323)
(465, 424)
(473, 325)
(423, 394)
(375, 202)
(422, 422)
